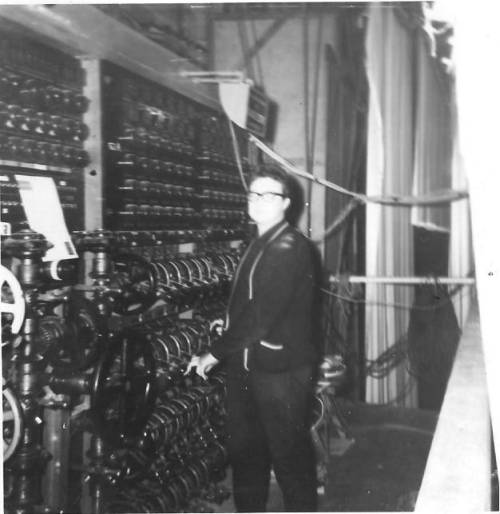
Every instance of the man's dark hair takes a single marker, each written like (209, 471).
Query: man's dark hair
(275, 172)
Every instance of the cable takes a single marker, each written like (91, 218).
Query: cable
(352, 299)
(426, 365)
(317, 70)
(409, 386)
(395, 354)
(389, 359)
(305, 93)
(236, 149)
(440, 197)
(257, 56)
(242, 32)
(339, 220)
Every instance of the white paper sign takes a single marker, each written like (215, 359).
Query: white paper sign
(5, 228)
(44, 213)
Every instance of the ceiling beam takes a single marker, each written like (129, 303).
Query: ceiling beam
(87, 33)
(259, 44)
(260, 11)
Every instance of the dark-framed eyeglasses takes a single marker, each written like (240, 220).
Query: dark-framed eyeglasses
(266, 196)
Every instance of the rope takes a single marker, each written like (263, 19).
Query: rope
(310, 124)
(312, 142)
(257, 55)
(236, 149)
(408, 388)
(244, 46)
(444, 196)
(305, 92)
(389, 359)
(339, 220)
(418, 363)
(351, 299)
(317, 71)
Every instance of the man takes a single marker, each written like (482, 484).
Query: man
(269, 354)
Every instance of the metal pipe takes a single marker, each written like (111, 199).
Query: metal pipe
(27, 465)
(406, 281)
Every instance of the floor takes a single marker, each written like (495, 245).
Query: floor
(383, 468)
(377, 466)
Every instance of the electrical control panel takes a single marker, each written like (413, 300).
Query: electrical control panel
(100, 414)
(170, 162)
(41, 125)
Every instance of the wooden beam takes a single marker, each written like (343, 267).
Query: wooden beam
(263, 40)
(249, 11)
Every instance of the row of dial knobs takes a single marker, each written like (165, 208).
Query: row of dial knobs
(40, 152)
(29, 121)
(39, 95)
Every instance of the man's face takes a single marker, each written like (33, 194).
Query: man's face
(266, 203)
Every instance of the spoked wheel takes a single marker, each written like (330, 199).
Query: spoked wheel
(12, 422)
(123, 389)
(14, 308)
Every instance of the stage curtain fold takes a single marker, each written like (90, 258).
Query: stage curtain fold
(389, 241)
(412, 149)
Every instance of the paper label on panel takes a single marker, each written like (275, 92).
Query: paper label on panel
(44, 214)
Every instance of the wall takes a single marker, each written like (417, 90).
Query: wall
(280, 67)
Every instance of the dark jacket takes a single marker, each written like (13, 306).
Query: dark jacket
(270, 307)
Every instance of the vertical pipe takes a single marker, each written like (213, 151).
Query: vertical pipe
(93, 174)
(305, 40)
(27, 465)
(96, 485)
(56, 441)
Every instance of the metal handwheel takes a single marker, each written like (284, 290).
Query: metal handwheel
(12, 421)
(89, 328)
(123, 389)
(72, 342)
(17, 306)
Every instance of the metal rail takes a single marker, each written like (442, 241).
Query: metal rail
(407, 281)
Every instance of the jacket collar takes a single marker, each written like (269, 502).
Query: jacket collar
(269, 233)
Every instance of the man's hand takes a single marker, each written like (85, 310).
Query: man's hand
(217, 326)
(202, 364)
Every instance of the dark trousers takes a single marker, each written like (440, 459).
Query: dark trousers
(269, 425)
